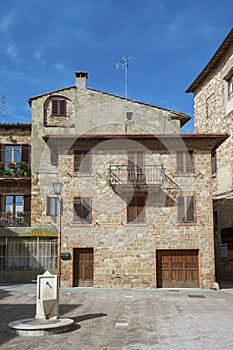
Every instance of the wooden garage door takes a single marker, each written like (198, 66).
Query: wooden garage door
(83, 267)
(177, 269)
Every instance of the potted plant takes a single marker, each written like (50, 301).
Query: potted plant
(11, 165)
(20, 213)
(23, 169)
(7, 214)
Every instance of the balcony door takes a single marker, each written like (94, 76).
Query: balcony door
(136, 175)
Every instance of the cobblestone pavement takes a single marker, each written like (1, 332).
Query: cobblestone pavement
(112, 319)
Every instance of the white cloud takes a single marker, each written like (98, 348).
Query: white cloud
(38, 56)
(12, 53)
(6, 21)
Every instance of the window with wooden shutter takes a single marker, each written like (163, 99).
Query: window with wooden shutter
(186, 209)
(136, 213)
(184, 162)
(82, 162)
(59, 107)
(82, 210)
(51, 207)
(230, 87)
(214, 163)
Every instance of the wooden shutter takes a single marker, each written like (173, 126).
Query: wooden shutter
(62, 109)
(77, 161)
(87, 160)
(181, 209)
(77, 209)
(82, 162)
(1, 205)
(214, 163)
(51, 206)
(189, 162)
(130, 213)
(190, 208)
(26, 153)
(1, 152)
(55, 107)
(86, 210)
(141, 209)
(179, 162)
(136, 210)
(27, 204)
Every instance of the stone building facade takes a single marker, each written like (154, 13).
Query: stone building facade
(213, 113)
(135, 210)
(21, 242)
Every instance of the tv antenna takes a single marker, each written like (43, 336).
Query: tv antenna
(124, 63)
(3, 108)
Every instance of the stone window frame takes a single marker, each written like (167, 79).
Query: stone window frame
(228, 91)
(58, 107)
(230, 87)
(82, 162)
(136, 209)
(25, 207)
(84, 206)
(51, 206)
(183, 201)
(185, 162)
(214, 163)
(129, 117)
(50, 117)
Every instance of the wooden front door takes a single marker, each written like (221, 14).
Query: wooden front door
(177, 268)
(83, 267)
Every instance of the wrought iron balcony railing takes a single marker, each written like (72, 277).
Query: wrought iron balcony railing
(20, 219)
(137, 176)
(11, 169)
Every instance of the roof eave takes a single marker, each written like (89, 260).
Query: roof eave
(212, 63)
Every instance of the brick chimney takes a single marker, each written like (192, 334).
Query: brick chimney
(81, 80)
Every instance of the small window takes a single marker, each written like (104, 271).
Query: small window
(186, 209)
(59, 107)
(214, 163)
(82, 162)
(185, 162)
(52, 203)
(230, 87)
(82, 210)
(129, 117)
(136, 213)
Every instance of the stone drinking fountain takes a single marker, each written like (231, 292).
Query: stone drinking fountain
(47, 319)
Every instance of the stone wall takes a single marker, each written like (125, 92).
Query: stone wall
(213, 114)
(15, 134)
(124, 254)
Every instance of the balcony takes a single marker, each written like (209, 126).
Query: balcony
(8, 219)
(13, 170)
(136, 176)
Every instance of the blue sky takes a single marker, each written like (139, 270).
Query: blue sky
(170, 41)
